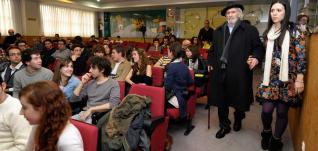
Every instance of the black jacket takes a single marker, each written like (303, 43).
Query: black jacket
(206, 35)
(234, 84)
(3, 67)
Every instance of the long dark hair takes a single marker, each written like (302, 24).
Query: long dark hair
(285, 23)
(142, 68)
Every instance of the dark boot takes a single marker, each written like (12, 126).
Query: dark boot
(225, 128)
(266, 136)
(275, 144)
(238, 117)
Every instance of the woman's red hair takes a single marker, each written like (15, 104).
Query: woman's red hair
(48, 97)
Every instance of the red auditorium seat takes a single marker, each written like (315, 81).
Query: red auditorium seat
(154, 54)
(174, 113)
(89, 134)
(143, 46)
(122, 89)
(52, 66)
(157, 76)
(165, 51)
(157, 96)
(204, 53)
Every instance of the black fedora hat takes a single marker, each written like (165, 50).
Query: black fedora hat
(231, 5)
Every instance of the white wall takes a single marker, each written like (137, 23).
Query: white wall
(31, 18)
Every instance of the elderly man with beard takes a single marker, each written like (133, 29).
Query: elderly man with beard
(236, 50)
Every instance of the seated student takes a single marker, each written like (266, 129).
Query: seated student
(8, 69)
(3, 57)
(173, 39)
(79, 58)
(14, 129)
(178, 77)
(155, 46)
(33, 71)
(120, 66)
(141, 70)
(45, 107)
(46, 54)
(62, 52)
(196, 63)
(21, 44)
(101, 52)
(102, 92)
(63, 76)
(163, 61)
(195, 42)
(165, 43)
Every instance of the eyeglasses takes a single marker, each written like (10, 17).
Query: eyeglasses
(15, 54)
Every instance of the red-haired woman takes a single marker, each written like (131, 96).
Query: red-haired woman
(44, 105)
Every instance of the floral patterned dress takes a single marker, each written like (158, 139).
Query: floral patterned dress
(278, 90)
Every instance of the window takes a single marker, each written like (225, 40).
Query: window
(6, 19)
(66, 22)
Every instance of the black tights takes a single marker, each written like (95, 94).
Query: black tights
(281, 117)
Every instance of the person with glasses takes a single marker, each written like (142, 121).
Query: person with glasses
(3, 57)
(8, 69)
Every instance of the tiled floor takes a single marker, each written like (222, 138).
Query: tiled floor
(203, 139)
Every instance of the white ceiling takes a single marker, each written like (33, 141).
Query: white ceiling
(129, 5)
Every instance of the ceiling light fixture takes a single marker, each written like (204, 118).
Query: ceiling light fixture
(98, 0)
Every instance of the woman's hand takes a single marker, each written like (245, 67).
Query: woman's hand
(299, 87)
(299, 84)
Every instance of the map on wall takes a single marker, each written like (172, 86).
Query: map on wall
(129, 24)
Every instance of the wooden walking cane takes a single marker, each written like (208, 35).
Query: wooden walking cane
(209, 111)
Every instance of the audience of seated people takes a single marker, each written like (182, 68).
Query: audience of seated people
(107, 62)
(33, 71)
(63, 76)
(141, 70)
(8, 69)
(14, 129)
(102, 93)
(120, 66)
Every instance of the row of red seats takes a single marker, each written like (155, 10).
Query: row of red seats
(90, 132)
